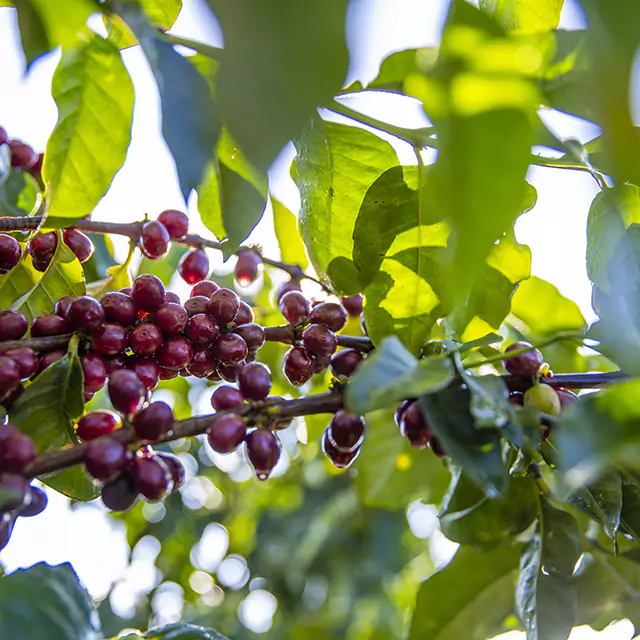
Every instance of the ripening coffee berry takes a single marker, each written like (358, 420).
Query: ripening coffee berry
(23, 157)
(175, 222)
(294, 306)
(248, 267)
(147, 369)
(195, 305)
(145, 339)
(225, 397)
(194, 266)
(85, 314)
(263, 451)
(14, 492)
(345, 362)
(153, 422)
(9, 377)
(119, 494)
(436, 447)
(346, 431)
(202, 329)
(62, 306)
(230, 349)
(203, 364)
(151, 477)
(95, 371)
(526, 364)
(109, 339)
(126, 391)
(171, 318)
(339, 459)
(42, 247)
(285, 287)
(17, 450)
(49, 324)
(119, 307)
(414, 427)
(566, 396)
(226, 433)
(230, 372)
(49, 358)
(223, 306)
(245, 314)
(148, 292)
(10, 253)
(36, 504)
(298, 366)
(25, 358)
(105, 457)
(97, 424)
(205, 288)
(353, 305)
(544, 398)
(330, 314)
(319, 340)
(154, 240)
(254, 381)
(252, 334)
(176, 469)
(79, 243)
(402, 407)
(175, 353)
(13, 325)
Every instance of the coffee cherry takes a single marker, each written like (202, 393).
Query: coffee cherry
(17, 450)
(36, 170)
(226, 433)
(40, 265)
(154, 240)
(195, 305)
(244, 315)
(119, 307)
(248, 268)
(148, 292)
(225, 397)
(230, 372)
(544, 398)
(126, 391)
(49, 324)
(62, 306)
(23, 157)
(175, 353)
(36, 503)
(79, 243)
(119, 494)
(319, 340)
(223, 306)
(254, 381)
(175, 222)
(95, 371)
(26, 359)
(214, 376)
(346, 431)
(109, 339)
(252, 334)
(230, 349)
(353, 305)
(105, 457)
(298, 366)
(10, 253)
(9, 377)
(402, 407)
(168, 374)
(345, 362)
(205, 288)
(154, 421)
(176, 469)
(289, 285)
(516, 398)
(49, 358)
(294, 306)
(170, 296)
(14, 492)
(321, 363)
(42, 247)
(526, 364)
(147, 370)
(7, 522)
(194, 266)
(171, 318)
(202, 329)
(97, 424)
(566, 396)
(85, 314)
(115, 363)
(13, 325)
(339, 459)
(263, 451)
(151, 477)
(145, 339)
(4, 137)
(203, 364)
(330, 314)
(414, 427)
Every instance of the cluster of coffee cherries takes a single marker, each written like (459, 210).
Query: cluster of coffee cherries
(23, 157)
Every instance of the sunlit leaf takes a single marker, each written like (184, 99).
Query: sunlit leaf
(286, 227)
(525, 15)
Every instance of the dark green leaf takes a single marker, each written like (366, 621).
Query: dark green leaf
(603, 500)
(182, 631)
(19, 194)
(94, 95)
(470, 598)
(629, 517)
(33, 35)
(489, 400)
(525, 15)
(286, 227)
(64, 609)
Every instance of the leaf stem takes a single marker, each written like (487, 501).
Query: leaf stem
(215, 53)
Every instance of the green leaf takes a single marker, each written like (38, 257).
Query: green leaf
(603, 501)
(391, 374)
(63, 277)
(182, 631)
(63, 20)
(489, 400)
(47, 411)
(33, 35)
(525, 15)
(18, 282)
(267, 93)
(94, 95)
(545, 594)
(162, 13)
(334, 168)
(286, 227)
(64, 610)
(19, 194)
(470, 598)
(118, 277)
(166, 268)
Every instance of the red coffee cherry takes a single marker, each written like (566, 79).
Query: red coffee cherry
(345, 362)
(170, 296)
(226, 397)
(526, 364)
(319, 340)
(15, 491)
(339, 459)
(9, 376)
(226, 433)
(10, 253)
(245, 314)
(203, 364)
(105, 458)
(223, 306)
(230, 372)
(176, 469)
(42, 247)
(119, 494)
(230, 349)
(145, 339)
(174, 353)
(147, 369)
(148, 292)
(62, 306)
(330, 314)
(202, 329)
(126, 391)
(79, 243)
(566, 396)
(153, 422)
(176, 223)
(254, 381)
(248, 268)
(298, 366)
(85, 314)
(116, 363)
(252, 334)
(119, 307)
(205, 288)
(97, 424)
(414, 427)
(49, 324)
(294, 306)
(289, 285)
(26, 359)
(171, 318)
(49, 358)
(37, 503)
(151, 477)
(195, 305)
(17, 450)
(95, 371)
(109, 339)
(154, 240)
(23, 157)
(263, 451)
(194, 266)
(13, 325)
(346, 431)
(353, 305)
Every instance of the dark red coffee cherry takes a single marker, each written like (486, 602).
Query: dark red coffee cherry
(248, 268)
(23, 157)
(353, 305)
(436, 447)
(13, 325)
(42, 247)
(294, 306)
(168, 374)
(105, 458)
(145, 339)
(9, 376)
(79, 243)
(116, 363)
(176, 469)
(339, 459)
(126, 391)
(321, 363)
(346, 431)
(194, 266)
(402, 407)
(151, 477)
(319, 340)
(205, 288)
(154, 240)
(49, 358)
(175, 353)
(36, 170)
(298, 366)
(225, 397)
(289, 285)
(214, 376)
(49, 324)
(263, 451)
(10, 253)
(330, 314)
(255, 381)
(176, 223)
(25, 358)
(148, 292)
(97, 424)
(154, 421)
(516, 398)
(109, 339)
(62, 306)
(95, 371)
(223, 306)
(226, 433)
(17, 450)
(119, 494)
(345, 362)
(252, 334)
(14, 492)
(85, 314)
(171, 318)
(4, 137)
(195, 305)
(36, 503)
(119, 307)
(202, 329)
(203, 364)
(230, 349)
(147, 369)
(170, 296)
(526, 364)
(230, 372)
(245, 314)
(414, 427)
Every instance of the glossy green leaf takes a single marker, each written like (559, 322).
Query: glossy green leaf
(603, 500)
(469, 598)
(63, 20)
(182, 631)
(33, 35)
(267, 92)
(19, 194)
(334, 168)
(118, 277)
(286, 227)
(94, 95)
(162, 13)
(19, 281)
(629, 515)
(64, 611)
(525, 15)
(489, 400)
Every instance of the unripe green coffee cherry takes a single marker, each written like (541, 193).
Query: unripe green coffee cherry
(544, 398)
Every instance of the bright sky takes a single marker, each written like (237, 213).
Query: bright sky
(555, 229)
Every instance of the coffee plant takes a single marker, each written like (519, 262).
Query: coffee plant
(397, 351)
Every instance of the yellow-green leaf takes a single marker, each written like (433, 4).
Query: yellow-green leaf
(286, 226)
